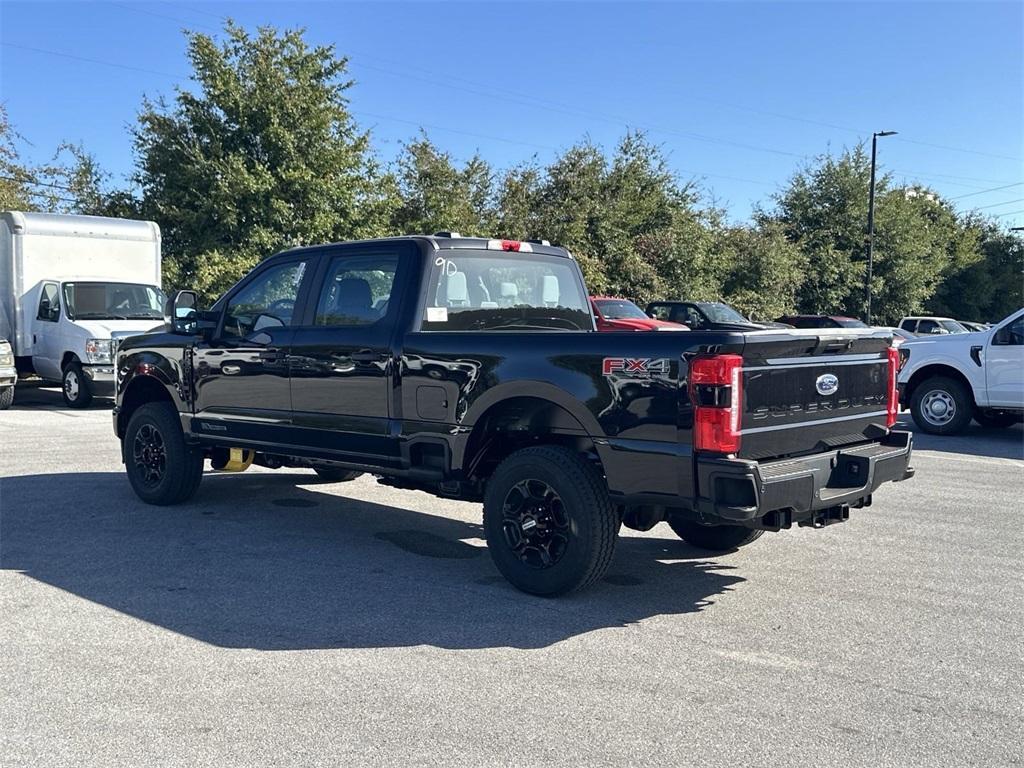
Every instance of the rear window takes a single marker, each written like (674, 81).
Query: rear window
(620, 309)
(849, 322)
(504, 291)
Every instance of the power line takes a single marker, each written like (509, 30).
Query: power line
(983, 191)
(996, 205)
(959, 149)
(1008, 213)
(93, 61)
(37, 183)
(137, 9)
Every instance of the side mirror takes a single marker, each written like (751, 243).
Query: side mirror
(182, 311)
(938, 331)
(45, 310)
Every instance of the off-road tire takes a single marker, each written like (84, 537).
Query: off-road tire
(182, 467)
(590, 527)
(333, 475)
(951, 395)
(6, 397)
(717, 538)
(75, 387)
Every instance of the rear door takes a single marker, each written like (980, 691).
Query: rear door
(807, 393)
(241, 374)
(341, 358)
(1004, 365)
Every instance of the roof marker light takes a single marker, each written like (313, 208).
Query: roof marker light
(509, 245)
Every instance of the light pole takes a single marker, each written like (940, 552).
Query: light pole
(871, 219)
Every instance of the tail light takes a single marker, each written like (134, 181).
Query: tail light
(509, 245)
(716, 391)
(892, 409)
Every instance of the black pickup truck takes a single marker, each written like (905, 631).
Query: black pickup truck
(470, 368)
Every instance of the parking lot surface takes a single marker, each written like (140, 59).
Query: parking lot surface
(276, 620)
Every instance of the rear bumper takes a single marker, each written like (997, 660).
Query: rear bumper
(810, 490)
(8, 376)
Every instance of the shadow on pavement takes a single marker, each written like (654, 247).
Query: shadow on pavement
(1005, 443)
(42, 396)
(257, 562)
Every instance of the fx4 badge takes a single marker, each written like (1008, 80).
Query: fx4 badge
(641, 367)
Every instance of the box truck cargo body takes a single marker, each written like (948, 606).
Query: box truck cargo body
(70, 288)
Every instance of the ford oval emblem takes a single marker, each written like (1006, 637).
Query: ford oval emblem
(827, 384)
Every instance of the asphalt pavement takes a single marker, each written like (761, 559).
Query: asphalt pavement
(277, 620)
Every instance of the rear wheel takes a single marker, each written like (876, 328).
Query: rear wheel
(549, 523)
(941, 406)
(6, 397)
(162, 468)
(332, 475)
(76, 387)
(718, 538)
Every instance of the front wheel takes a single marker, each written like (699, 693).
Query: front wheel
(6, 397)
(941, 406)
(718, 538)
(162, 468)
(549, 522)
(75, 387)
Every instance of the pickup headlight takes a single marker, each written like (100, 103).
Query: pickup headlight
(98, 351)
(6, 355)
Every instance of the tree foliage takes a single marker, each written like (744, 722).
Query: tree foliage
(261, 152)
(263, 155)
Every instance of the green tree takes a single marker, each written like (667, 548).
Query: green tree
(990, 288)
(438, 196)
(766, 271)
(262, 155)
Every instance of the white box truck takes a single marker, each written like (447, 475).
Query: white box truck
(71, 287)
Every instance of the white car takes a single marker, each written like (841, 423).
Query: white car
(8, 375)
(948, 379)
(931, 326)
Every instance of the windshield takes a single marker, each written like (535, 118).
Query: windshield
(620, 309)
(486, 291)
(722, 313)
(953, 326)
(849, 322)
(113, 301)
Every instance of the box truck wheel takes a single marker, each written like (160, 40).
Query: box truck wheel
(77, 389)
(6, 397)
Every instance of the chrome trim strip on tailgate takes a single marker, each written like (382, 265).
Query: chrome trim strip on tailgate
(786, 363)
(870, 415)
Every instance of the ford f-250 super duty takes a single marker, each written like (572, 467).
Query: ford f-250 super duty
(471, 368)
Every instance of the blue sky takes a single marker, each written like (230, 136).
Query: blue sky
(738, 94)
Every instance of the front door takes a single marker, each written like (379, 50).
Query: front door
(1004, 365)
(46, 347)
(341, 360)
(241, 374)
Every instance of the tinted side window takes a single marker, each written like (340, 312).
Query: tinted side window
(927, 326)
(49, 303)
(268, 301)
(357, 289)
(1012, 334)
(908, 325)
(660, 312)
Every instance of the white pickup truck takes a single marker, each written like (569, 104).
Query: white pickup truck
(947, 380)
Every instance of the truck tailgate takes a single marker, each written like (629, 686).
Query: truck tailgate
(812, 391)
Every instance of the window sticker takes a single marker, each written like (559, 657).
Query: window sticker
(437, 314)
(448, 267)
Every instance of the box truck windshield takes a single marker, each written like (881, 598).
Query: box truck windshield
(113, 301)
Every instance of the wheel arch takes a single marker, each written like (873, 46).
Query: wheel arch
(142, 389)
(938, 369)
(518, 421)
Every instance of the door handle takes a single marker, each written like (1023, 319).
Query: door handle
(367, 356)
(230, 370)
